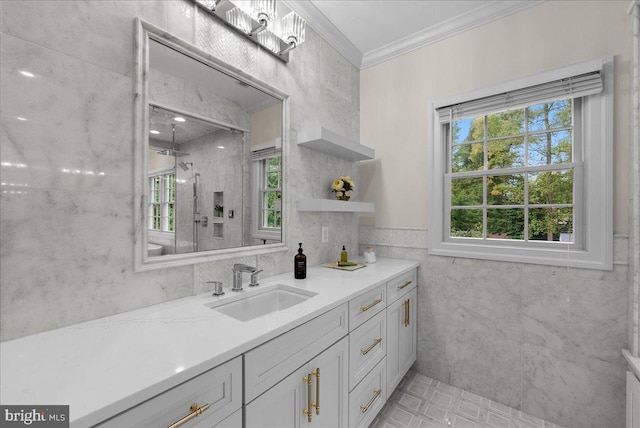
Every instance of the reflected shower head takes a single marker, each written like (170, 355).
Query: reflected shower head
(185, 165)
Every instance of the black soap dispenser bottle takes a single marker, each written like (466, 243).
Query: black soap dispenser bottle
(300, 264)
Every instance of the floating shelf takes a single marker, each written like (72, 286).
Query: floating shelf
(332, 205)
(328, 142)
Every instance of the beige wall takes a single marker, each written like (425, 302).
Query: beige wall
(396, 96)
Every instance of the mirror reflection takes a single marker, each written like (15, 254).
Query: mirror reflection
(214, 161)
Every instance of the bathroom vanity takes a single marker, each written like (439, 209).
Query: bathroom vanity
(328, 360)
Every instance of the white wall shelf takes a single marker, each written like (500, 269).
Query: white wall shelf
(332, 205)
(328, 142)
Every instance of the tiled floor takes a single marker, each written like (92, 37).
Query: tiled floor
(422, 402)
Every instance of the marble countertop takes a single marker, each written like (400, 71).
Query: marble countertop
(105, 366)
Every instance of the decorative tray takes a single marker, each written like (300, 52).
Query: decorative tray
(334, 265)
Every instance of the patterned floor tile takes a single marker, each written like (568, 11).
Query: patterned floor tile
(422, 402)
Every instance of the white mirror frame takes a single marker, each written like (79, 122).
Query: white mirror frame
(142, 261)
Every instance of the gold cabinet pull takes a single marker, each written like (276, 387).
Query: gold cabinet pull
(375, 302)
(376, 393)
(400, 287)
(309, 410)
(373, 345)
(316, 373)
(195, 411)
(407, 312)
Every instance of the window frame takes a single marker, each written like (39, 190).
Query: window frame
(594, 250)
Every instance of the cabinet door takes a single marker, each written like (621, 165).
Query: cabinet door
(281, 406)
(288, 403)
(401, 338)
(330, 388)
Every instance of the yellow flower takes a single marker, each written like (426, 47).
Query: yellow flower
(338, 185)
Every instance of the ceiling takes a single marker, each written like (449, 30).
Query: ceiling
(368, 32)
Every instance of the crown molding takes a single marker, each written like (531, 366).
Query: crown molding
(474, 18)
(325, 28)
(452, 27)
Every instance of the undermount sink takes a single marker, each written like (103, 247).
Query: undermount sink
(267, 300)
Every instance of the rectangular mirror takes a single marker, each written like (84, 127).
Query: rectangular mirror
(209, 167)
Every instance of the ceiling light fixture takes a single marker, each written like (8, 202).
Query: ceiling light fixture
(259, 24)
(154, 132)
(26, 73)
(179, 119)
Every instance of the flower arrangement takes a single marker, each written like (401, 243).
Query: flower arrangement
(343, 187)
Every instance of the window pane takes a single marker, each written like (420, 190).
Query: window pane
(507, 153)
(547, 116)
(273, 164)
(466, 223)
(467, 157)
(551, 224)
(506, 123)
(463, 130)
(551, 187)
(466, 191)
(273, 180)
(505, 223)
(550, 148)
(505, 189)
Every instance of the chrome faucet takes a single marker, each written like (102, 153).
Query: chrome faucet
(238, 268)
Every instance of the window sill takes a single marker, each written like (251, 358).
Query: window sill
(598, 259)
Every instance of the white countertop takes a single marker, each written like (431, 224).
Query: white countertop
(103, 367)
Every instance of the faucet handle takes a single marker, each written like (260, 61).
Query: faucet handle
(254, 278)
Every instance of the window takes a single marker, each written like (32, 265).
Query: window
(267, 168)
(162, 199)
(522, 172)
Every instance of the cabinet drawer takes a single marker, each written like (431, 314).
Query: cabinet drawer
(271, 362)
(401, 285)
(219, 388)
(364, 307)
(367, 347)
(366, 400)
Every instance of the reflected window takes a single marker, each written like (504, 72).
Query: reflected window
(267, 166)
(162, 200)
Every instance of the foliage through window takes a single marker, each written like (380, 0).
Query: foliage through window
(512, 174)
(162, 202)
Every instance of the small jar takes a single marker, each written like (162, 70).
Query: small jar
(369, 255)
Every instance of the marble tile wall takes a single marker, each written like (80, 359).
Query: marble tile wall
(543, 340)
(66, 253)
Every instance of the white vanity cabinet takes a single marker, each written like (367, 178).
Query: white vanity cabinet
(402, 329)
(212, 399)
(314, 395)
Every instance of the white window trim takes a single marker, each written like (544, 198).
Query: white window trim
(597, 250)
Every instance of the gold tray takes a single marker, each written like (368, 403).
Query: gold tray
(334, 265)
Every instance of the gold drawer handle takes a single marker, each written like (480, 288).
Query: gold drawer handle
(375, 302)
(400, 287)
(376, 393)
(373, 345)
(195, 411)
